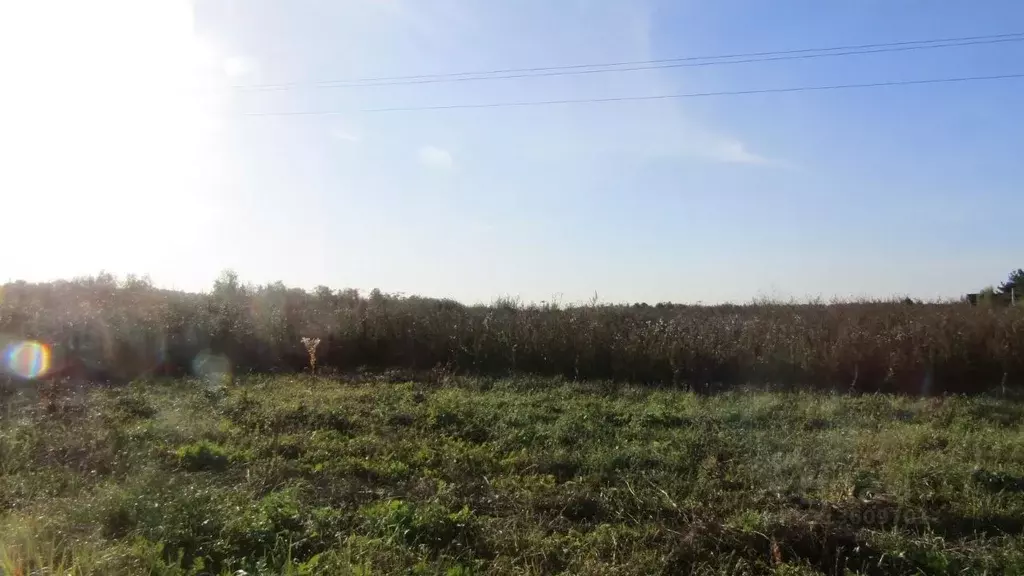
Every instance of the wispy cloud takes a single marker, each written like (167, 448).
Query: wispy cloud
(435, 158)
(675, 130)
(343, 135)
(732, 151)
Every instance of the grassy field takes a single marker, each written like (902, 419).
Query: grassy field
(295, 475)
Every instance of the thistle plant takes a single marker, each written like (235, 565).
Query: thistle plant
(311, 344)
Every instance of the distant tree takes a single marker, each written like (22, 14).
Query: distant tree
(133, 282)
(376, 296)
(1015, 282)
(227, 283)
(987, 295)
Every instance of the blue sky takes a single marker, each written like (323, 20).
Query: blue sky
(131, 152)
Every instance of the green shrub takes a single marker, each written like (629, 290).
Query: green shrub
(202, 455)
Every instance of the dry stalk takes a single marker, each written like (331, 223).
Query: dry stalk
(311, 344)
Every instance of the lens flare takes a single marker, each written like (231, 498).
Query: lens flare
(213, 368)
(27, 359)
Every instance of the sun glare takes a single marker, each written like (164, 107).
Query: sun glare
(111, 108)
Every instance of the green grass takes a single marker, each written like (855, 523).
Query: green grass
(293, 475)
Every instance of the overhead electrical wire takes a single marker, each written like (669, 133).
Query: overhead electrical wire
(528, 103)
(636, 65)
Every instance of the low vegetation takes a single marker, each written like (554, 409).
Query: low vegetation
(121, 330)
(303, 475)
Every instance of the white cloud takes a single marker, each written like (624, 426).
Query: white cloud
(345, 136)
(436, 158)
(732, 151)
(670, 129)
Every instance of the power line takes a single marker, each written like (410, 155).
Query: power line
(650, 97)
(639, 62)
(625, 66)
(326, 86)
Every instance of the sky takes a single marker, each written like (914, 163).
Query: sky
(129, 144)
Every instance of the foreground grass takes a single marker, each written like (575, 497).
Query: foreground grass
(298, 476)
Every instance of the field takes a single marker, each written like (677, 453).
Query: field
(123, 330)
(471, 475)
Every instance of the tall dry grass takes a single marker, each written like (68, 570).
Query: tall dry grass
(123, 329)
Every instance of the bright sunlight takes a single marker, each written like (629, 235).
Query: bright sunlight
(109, 109)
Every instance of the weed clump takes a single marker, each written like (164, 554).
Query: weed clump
(202, 456)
